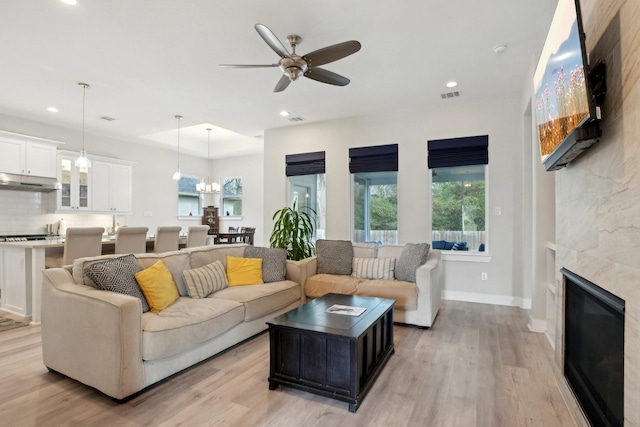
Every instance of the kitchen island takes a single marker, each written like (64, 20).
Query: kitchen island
(21, 265)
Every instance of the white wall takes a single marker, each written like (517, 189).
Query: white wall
(410, 129)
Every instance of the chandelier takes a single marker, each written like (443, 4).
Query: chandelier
(208, 187)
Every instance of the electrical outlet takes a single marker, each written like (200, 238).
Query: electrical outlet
(498, 211)
(484, 275)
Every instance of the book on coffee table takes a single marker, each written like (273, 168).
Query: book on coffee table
(346, 310)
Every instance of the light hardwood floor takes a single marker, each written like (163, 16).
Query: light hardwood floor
(478, 366)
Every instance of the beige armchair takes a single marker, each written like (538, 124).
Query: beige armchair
(167, 239)
(78, 242)
(131, 240)
(197, 235)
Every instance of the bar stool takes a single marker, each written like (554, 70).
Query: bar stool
(79, 242)
(167, 239)
(131, 240)
(197, 235)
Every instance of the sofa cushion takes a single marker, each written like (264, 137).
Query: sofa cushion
(321, 284)
(205, 280)
(207, 254)
(413, 256)
(158, 286)
(186, 324)
(274, 262)
(365, 250)
(118, 275)
(405, 293)
(175, 261)
(334, 256)
(374, 268)
(244, 271)
(259, 301)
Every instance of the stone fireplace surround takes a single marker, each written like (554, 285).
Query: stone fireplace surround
(598, 196)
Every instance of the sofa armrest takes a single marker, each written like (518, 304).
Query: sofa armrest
(91, 335)
(299, 271)
(429, 281)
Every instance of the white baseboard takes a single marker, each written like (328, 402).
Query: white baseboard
(487, 299)
(537, 325)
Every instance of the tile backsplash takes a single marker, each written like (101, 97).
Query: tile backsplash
(25, 212)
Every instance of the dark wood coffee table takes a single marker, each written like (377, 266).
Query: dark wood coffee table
(330, 354)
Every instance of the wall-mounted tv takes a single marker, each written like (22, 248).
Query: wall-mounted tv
(567, 114)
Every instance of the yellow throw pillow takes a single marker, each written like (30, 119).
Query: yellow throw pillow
(158, 286)
(244, 271)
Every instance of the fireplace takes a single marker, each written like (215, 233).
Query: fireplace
(594, 349)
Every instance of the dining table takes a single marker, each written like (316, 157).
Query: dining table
(229, 237)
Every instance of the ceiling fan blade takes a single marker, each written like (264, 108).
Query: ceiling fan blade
(273, 42)
(331, 53)
(248, 66)
(326, 76)
(282, 84)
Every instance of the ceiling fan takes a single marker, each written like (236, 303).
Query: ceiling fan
(294, 65)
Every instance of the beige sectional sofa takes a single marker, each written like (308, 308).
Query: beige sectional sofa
(104, 340)
(417, 303)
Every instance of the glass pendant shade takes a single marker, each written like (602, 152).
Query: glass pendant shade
(83, 161)
(177, 174)
(204, 187)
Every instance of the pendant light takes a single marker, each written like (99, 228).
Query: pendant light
(177, 174)
(208, 187)
(83, 161)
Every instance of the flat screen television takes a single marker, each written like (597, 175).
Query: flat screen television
(567, 114)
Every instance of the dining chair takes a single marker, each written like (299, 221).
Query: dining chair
(229, 239)
(79, 242)
(167, 239)
(131, 240)
(247, 236)
(197, 235)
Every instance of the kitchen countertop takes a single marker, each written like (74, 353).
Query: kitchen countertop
(59, 243)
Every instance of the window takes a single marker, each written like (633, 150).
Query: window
(189, 203)
(232, 196)
(309, 191)
(375, 207)
(458, 206)
(375, 193)
(307, 186)
(458, 193)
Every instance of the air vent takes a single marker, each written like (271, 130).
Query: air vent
(296, 119)
(450, 95)
(107, 118)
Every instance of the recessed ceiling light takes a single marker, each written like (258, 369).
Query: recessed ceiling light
(452, 84)
(70, 2)
(52, 109)
(499, 49)
(284, 113)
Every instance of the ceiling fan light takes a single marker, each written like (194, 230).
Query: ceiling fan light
(293, 73)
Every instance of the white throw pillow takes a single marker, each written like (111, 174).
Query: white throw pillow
(374, 268)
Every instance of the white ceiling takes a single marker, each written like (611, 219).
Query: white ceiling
(148, 60)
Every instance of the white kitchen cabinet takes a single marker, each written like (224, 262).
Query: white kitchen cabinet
(75, 183)
(111, 187)
(16, 298)
(28, 155)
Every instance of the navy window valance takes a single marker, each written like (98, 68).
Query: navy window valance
(471, 150)
(305, 163)
(379, 158)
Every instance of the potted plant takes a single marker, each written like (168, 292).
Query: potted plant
(293, 231)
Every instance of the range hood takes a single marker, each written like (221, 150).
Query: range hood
(9, 181)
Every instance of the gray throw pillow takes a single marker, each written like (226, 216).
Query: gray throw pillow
(413, 256)
(118, 275)
(274, 262)
(334, 256)
(205, 280)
